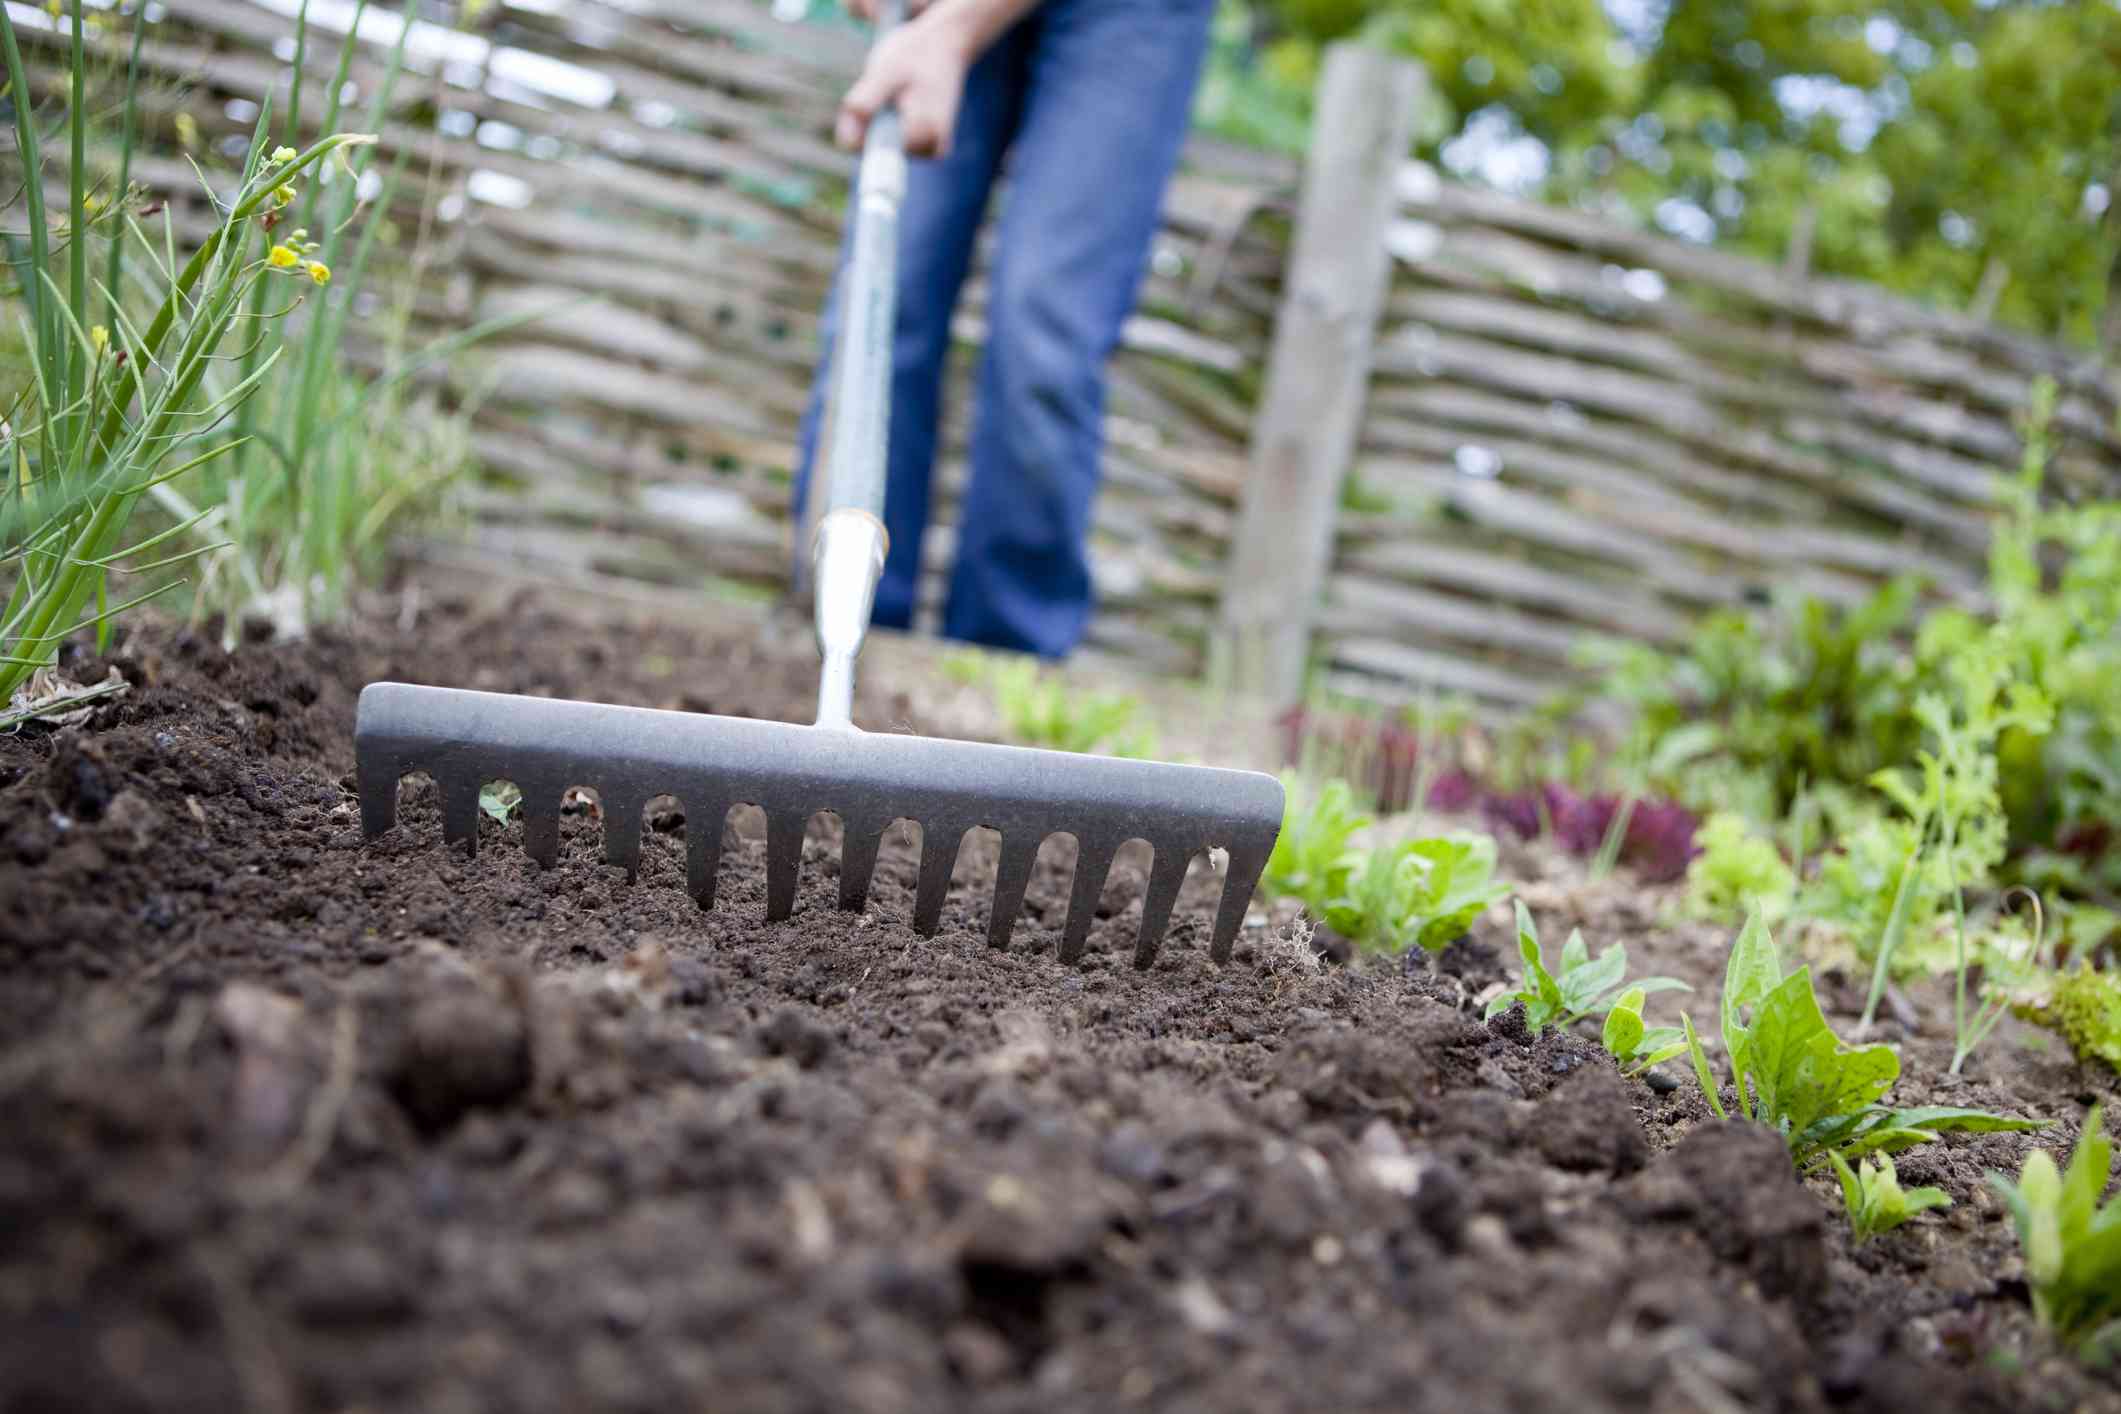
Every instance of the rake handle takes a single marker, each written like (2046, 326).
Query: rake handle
(848, 554)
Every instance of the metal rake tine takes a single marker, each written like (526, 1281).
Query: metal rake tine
(460, 809)
(1239, 879)
(859, 842)
(1167, 875)
(784, 862)
(1093, 863)
(939, 846)
(703, 851)
(622, 830)
(1012, 877)
(377, 787)
(541, 823)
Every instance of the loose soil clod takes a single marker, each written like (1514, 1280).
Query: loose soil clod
(296, 1122)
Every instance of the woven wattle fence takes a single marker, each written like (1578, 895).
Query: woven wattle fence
(1560, 425)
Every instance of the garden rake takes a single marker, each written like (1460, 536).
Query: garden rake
(630, 755)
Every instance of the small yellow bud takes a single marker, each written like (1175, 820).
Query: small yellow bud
(301, 233)
(187, 130)
(91, 203)
(51, 7)
(284, 154)
(281, 258)
(99, 338)
(319, 272)
(284, 194)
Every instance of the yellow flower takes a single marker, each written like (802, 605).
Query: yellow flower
(283, 154)
(319, 272)
(281, 258)
(51, 7)
(284, 194)
(187, 130)
(99, 338)
(91, 203)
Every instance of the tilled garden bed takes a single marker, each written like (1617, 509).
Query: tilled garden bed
(299, 1122)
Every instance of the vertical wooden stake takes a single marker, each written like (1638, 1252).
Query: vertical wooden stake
(1318, 370)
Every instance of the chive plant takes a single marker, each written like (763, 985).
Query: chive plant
(113, 410)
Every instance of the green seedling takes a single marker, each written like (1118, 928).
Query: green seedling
(1735, 868)
(1315, 855)
(2079, 1003)
(1583, 987)
(1638, 1047)
(2072, 1244)
(1792, 1073)
(501, 800)
(1040, 709)
(1876, 1201)
(1389, 898)
(1424, 892)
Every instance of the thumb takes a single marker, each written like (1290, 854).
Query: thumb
(867, 94)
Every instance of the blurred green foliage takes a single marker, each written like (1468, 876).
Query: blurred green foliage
(1928, 139)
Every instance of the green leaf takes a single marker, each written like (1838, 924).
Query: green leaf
(1701, 1067)
(1851, 1187)
(1459, 883)
(1623, 1026)
(1799, 1070)
(1575, 952)
(1653, 1053)
(1584, 984)
(1753, 972)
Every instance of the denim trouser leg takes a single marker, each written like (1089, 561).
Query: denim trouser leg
(1089, 100)
(1105, 114)
(939, 223)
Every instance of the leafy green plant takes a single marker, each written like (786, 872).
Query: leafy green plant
(1634, 1045)
(2072, 1244)
(1388, 897)
(1041, 709)
(1424, 892)
(1736, 870)
(1875, 1200)
(1315, 853)
(2079, 1003)
(500, 800)
(1582, 987)
(113, 411)
(1790, 1072)
(1950, 801)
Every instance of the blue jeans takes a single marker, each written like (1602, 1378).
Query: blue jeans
(1088, 101)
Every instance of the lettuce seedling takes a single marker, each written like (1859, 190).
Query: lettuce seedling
(1635, 1046)
(1876, 1201)
(1583, 987)
(1425, 892)
(2079, 1003)
(501, 800)
(2072, 1244)
(1736, 868)
(1792, 1073)
(1315, 855)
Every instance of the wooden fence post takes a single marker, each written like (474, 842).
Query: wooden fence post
(1318, 369)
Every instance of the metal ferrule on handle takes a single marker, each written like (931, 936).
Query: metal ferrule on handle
(848, 554)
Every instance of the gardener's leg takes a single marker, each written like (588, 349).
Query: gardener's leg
(938, 223)
(1111, 85)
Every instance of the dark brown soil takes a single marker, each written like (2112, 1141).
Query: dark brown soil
(294, 1121)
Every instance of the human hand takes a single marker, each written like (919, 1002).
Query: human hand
(866, 9)
(920, 67)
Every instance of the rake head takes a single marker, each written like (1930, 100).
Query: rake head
(630, 755)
